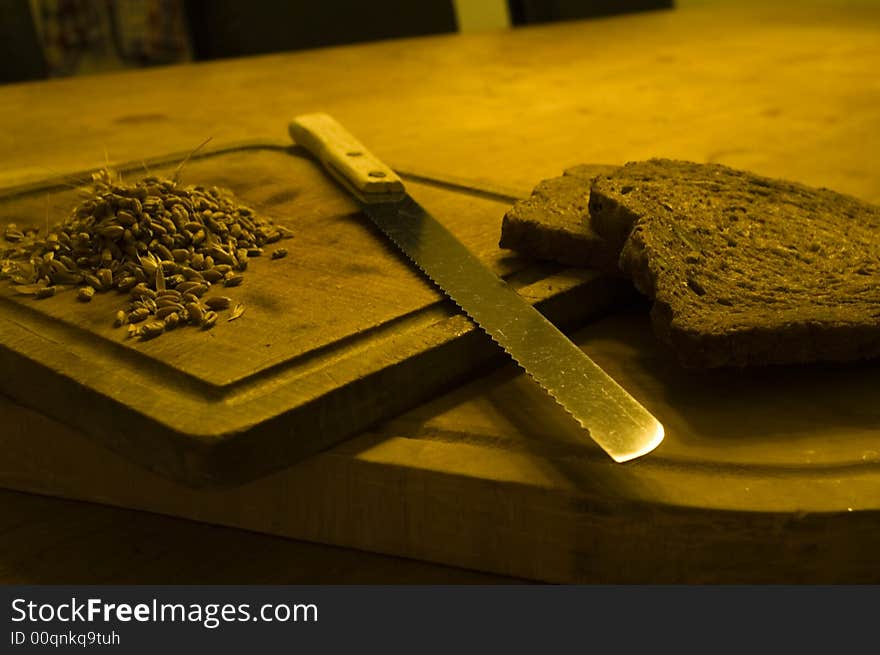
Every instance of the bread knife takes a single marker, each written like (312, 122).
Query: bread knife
(620, 425)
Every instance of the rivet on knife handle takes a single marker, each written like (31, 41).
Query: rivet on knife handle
(346, 157)
(614, 419)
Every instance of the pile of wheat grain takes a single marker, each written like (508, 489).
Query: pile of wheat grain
(164, 244)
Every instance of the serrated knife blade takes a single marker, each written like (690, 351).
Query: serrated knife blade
(618, 423)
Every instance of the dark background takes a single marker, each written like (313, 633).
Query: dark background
(232, 28)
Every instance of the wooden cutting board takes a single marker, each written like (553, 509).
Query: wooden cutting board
(341, 333)
(768, 475)
(764, 476)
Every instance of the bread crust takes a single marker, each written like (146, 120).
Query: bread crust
(554, 223)
(745, 270)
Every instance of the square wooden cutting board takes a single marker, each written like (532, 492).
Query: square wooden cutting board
(340, 334)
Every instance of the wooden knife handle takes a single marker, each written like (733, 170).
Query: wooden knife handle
(345, 157)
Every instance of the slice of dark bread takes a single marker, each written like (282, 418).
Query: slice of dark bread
(554, 223)
(745, 270)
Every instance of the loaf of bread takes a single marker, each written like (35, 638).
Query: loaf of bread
(744, 270)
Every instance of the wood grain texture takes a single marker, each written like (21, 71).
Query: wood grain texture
(341, 333)
(52, 541)
(766, 479)
(784, 90)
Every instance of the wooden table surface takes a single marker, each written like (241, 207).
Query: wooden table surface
(787, 90)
